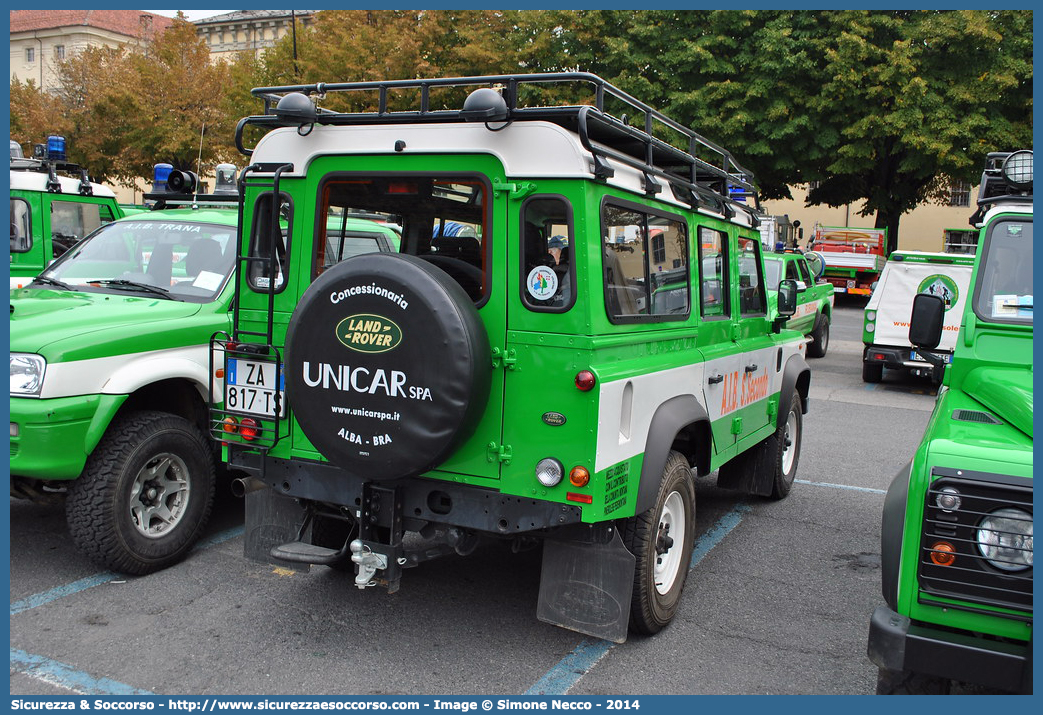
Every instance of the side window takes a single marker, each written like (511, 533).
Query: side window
(792, 272)
(269, 238)
(805, 273)
(71, 221)
(21, 231)
(752, 300)
(713, 273)
(646, 265)
(548, 270)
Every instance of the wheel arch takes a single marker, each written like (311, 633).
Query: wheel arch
(178, 396)
(682, 424)
(892, 529)
(796, 376)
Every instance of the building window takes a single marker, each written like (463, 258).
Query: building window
(30, 55)
(59, 52)
(960, 194)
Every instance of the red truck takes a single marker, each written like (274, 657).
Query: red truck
(854, 256)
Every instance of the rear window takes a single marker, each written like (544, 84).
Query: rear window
(444, 220)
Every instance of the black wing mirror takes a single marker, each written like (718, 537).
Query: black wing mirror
(925, 323)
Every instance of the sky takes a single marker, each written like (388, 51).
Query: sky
(191, 14)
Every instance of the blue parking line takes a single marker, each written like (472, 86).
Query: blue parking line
(39, 599)
(68, 589)
(64, 676)
(869, 490)
(570, 669)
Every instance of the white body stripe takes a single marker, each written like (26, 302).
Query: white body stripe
(123, 374)
(651, 390)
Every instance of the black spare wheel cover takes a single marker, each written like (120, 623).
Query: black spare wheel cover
(388, 365)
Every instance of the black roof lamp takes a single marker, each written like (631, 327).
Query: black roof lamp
(484, 105)
(296, 108)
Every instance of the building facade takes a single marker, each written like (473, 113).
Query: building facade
(249, 30)
(928, 227)
(42, 38)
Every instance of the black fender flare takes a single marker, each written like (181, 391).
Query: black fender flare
(669, 419)
(892, 528)
(795, 376)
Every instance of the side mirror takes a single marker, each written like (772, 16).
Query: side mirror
(925, 323)
(785, 304)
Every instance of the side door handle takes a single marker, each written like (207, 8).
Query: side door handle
(751, 368)
(714, 379)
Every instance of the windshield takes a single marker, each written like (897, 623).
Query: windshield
(772, 274)
(178, 260)
(1003, 292)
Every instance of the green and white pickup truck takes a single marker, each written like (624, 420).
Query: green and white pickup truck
(814, 296)
(53, 205)
(109, 379)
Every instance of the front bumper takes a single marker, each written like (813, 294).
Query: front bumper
(897, 643)
(51, 439)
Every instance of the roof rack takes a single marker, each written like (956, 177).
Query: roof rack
(164, 200)
(700, 172)
(51, 168)
(1007, 179)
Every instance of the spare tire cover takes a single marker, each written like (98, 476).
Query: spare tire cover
(388, 365)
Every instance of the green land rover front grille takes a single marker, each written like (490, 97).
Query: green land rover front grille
(976, 543)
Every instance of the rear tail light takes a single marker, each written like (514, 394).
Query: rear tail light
(249, 429)
(585, 380)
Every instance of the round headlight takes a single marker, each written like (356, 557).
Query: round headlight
(948, 499)
(1017, 169)
(870, 315)
(870, 327)
(549, 472)
(1005, 539)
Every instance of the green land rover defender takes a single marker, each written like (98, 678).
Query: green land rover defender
(956, 542)
(573, 323)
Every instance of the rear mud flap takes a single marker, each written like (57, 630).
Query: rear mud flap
(271, 520)
(586, 587)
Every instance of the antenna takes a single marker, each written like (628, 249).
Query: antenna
(199, 167)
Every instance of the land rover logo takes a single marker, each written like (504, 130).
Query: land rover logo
(366, 333)
(554, 419)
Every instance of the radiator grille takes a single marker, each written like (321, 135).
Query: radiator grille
(970, 576)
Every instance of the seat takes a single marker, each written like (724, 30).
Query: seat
(204, 255)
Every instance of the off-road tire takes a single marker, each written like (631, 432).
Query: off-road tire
(893, 682)
(779, 454)
(819, 337)
(872, 372)
(156, 464)
(651, 607)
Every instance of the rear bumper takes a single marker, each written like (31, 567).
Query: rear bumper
(897, 643)
(897, 358)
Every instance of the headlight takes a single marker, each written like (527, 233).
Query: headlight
(27, 374)
(549, 472)
(1005, 539)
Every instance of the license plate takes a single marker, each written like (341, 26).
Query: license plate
(915, 356)
(251, 387)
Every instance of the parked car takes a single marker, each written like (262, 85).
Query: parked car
(814, 295)
(474, 385)
(956, 538)
(885, 331)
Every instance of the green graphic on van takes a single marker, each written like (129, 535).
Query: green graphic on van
(367, 333)
(942, 286)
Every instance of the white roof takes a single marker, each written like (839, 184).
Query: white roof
(37, 181)
(527, 150)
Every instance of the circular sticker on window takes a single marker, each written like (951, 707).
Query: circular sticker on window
(942, 286)
(542, 283)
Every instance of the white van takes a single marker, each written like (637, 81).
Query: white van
(885, 331)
